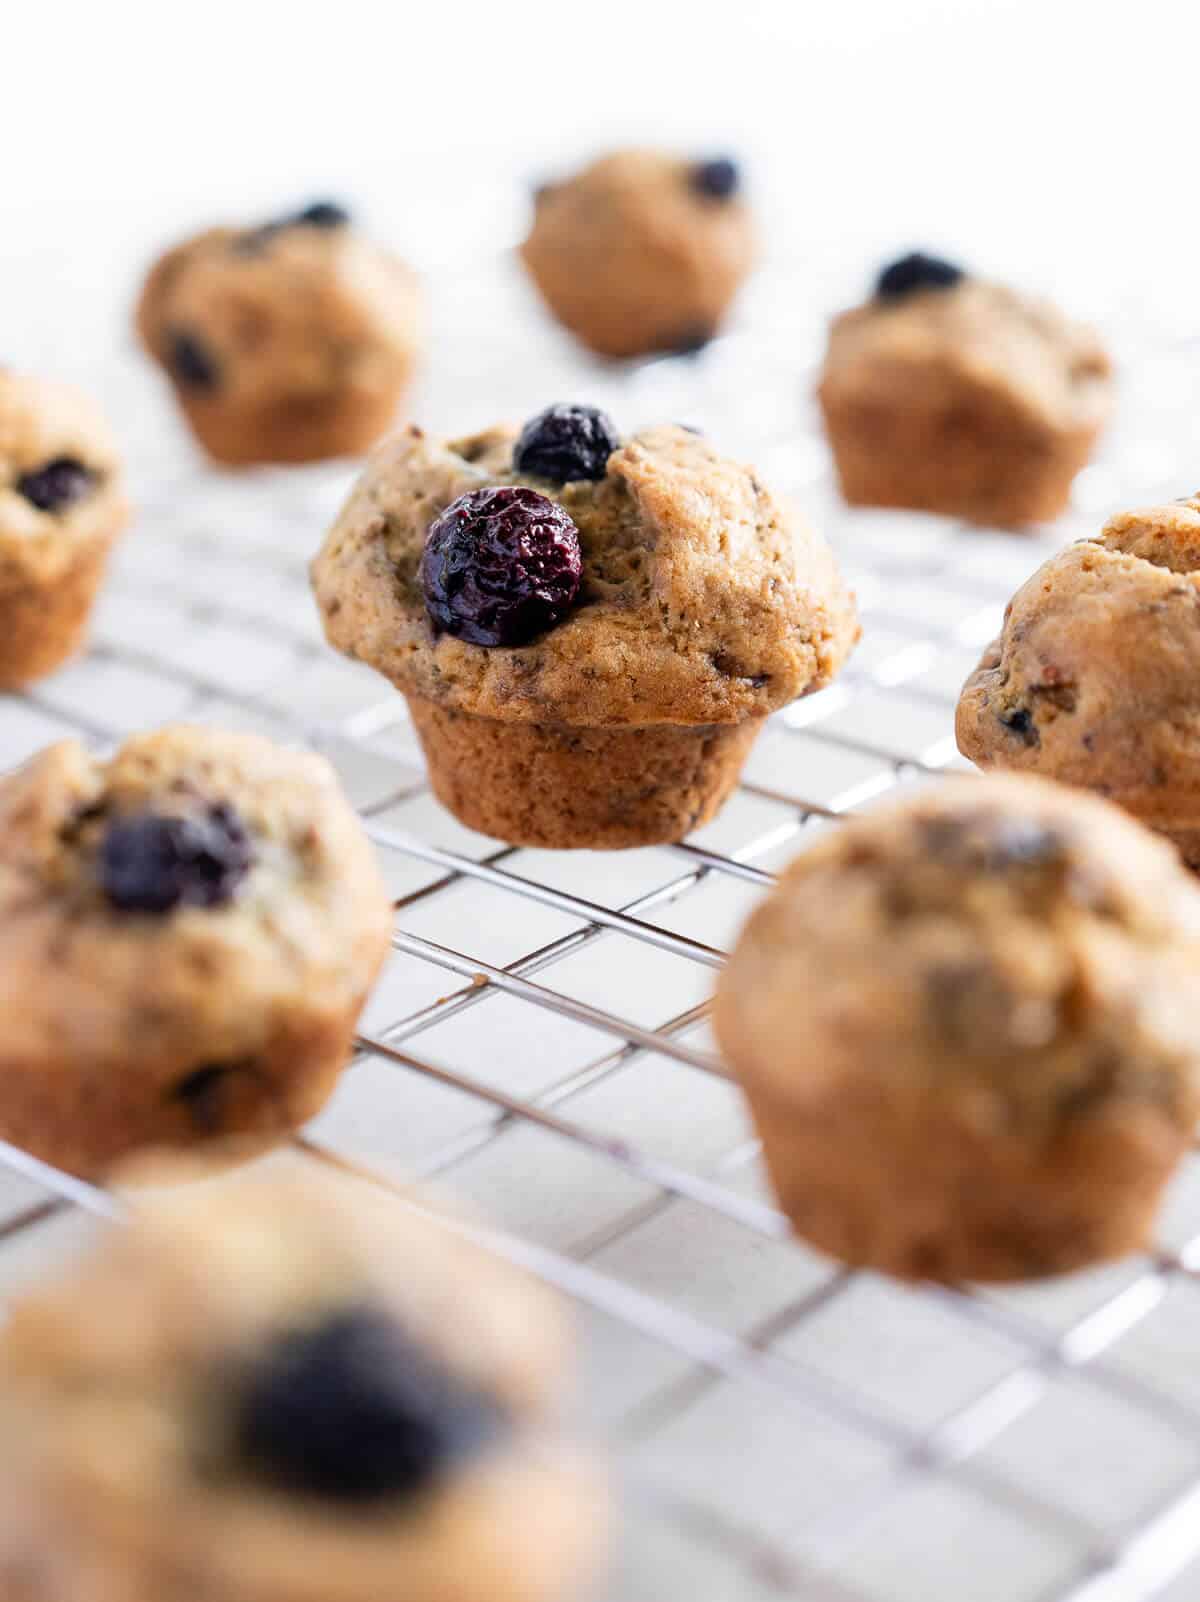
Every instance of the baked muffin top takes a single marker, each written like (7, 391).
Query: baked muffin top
(60, 477)
(180, 895)
(700, 598)
(1013, 345)
(302, 305)
(1025, 948)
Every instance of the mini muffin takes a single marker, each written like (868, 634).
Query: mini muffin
(1095, 679)
(642, 251)
(590, 633)
(62, 504)
(968, 1026)
(288, 1390)
(187, 934)
(944, 393)
(291, 341)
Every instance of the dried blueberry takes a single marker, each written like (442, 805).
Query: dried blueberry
(190, 360)
(322, 214)
(690, 341)
(565, 443)
(352, 1410)
(500, 566)
(152, 863)
(916, 271)
(57, 484)
(212, 1095)
(1020, 722)
(718, 179)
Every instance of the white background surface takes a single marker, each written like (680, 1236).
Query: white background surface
(1035, 137)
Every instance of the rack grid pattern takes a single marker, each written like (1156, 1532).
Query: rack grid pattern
(538, 1048)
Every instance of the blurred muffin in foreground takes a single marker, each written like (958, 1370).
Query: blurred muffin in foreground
(62, 505)
(946, 393)
(642, 251)
(968, 1025)
(291, 341)
(287, 1389)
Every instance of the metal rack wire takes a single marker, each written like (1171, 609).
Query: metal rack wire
(783, 1427)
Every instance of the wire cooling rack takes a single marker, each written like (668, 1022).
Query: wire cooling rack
(538, 1047)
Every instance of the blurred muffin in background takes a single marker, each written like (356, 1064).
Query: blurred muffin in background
(945, 393)
(62, 504)
(642, 251)
(291, 341)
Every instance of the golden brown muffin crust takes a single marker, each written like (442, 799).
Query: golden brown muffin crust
(703, 601)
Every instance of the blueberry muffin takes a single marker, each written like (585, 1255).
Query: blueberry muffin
(944, 393)
(1095, 679)
(288, 1390)
(642, 251)
(62, 504)
(291, 341)
(969, 1029)
(187, 934)
(589, 632)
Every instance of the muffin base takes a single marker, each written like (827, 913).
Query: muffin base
(98, 1538)
(43, 624)
(978, 468)
(678, 314)
(301, 428)
(542, 784)
(84, 1116)
(904, 1186)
